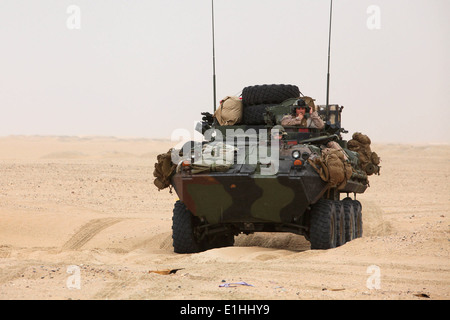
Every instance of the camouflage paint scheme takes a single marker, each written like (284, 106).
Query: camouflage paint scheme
(231, 197)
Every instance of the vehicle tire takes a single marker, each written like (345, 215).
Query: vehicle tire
(340, 223)
(268, 94)
(183, 224)
(349, 219)
(254, 115)
(358, 219)
(323, 233)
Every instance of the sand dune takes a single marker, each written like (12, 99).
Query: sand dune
(90, 202)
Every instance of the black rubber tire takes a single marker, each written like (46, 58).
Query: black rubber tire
(349, 219)
(183, 223)
(358, 219)
(254, 115)
(340, 223)
(323, 233)
(268, 94)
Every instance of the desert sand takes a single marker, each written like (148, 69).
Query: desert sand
(80, 218)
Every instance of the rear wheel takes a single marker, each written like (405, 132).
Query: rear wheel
(340, 223)
(358, 219)
(183, 230)
(323, 233)
(349, 214)
(185, 235)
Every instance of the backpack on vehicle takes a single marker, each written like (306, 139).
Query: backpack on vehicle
(369, 161)
(229, 111)
(164, 169)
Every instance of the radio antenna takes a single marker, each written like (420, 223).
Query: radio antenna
(214, 57)
(329, 44)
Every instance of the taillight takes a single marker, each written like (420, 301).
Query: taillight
(186, 164)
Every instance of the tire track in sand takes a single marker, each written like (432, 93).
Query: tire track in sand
(87, 232)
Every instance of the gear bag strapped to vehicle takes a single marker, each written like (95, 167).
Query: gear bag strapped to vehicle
(164, 169)
(229, 112)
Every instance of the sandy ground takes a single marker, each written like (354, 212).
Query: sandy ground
(80, 218)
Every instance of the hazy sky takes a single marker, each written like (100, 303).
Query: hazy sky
(135, 68)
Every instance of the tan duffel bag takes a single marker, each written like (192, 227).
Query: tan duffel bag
(229, 112)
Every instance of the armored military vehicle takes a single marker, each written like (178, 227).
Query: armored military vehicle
(251, 174)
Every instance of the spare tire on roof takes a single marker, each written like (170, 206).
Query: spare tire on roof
(254, 115)
(268, 94)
